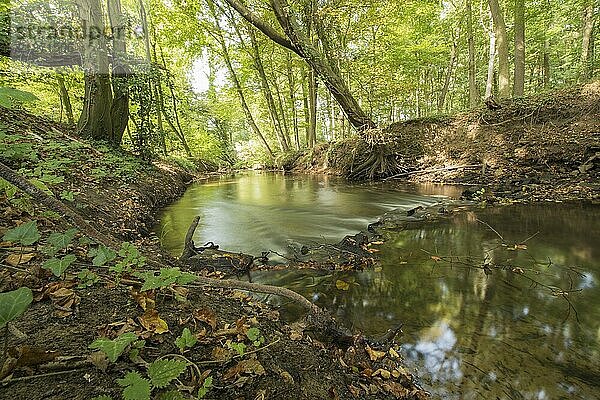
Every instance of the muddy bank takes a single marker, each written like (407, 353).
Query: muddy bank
(545, 147)
(233, 346)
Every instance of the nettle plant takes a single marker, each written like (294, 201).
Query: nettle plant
(159, 376)
(130, 259)
(253, 334)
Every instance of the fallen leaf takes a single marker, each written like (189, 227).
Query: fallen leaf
(99, 360)
(145, 299)
(393, 353)
(32, 355)
(207, 316)
(151, 321)
(16, 259)
(385, 374)
(220, 354)
(374, 355)
(249, 367)
(342, 285)
(354, 390)
(64, 300)
(396, 389)
(436, 258)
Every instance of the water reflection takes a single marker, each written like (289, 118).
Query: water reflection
(527, 330)
(478, 335)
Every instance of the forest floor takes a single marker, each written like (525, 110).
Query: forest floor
(159, 336)
(539, 148)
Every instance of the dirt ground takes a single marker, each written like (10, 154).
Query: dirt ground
(538, 148)
(243, 350)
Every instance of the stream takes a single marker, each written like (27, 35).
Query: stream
(515, 315)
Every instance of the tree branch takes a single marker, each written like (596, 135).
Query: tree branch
(262, 26)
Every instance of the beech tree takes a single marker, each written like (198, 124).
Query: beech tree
(106, 101)
(296, 40)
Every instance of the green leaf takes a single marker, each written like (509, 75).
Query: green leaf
(186, 278)
(170, 395)
(102, 255)
(185, 340)
(162, 372)
(13, 304)
(253, 334)
(67, 195)
(62, 240)
(26, 234)
(9, 96)
(136, 387)
(206, 385)
(41, 185)
(114, 348)
(59, 266)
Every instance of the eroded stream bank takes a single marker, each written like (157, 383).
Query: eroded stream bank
(485, 313)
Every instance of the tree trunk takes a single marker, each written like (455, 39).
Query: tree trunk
(120, 71)
(473, 91)
(490, 72)
(95, 121)
(453, 55)
(311, 134)
(281, 112)
(236, 81)
(502, 47)
(299, 43)
(159, 102)
(65, 98)
(292, 98)
(519, 77)
(266, 89)
(586, 48)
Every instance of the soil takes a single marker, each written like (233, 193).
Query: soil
(538, 148)
(118, 194)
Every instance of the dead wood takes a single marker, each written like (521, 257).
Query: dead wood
(58, 206)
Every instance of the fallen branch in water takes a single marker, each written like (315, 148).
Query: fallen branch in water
(428, 170)
(109, 241)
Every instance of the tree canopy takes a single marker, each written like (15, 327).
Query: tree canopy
(235, 81)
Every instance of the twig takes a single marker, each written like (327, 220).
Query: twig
(428, 170)
(28, 378)
(489, 226)
(208, 362)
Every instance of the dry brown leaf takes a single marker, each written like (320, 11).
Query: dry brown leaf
(374, 355)
(64, 300)
(32, 355)
(248, 367)
(396, 389)
(99, 360)
(207, 316)
(384, 373)
(152, 322)
(354, 390)
(220, 354)
(16, 259)
(436, 258)
(144, 299)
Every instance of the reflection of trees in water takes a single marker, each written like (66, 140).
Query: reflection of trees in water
(479, 334)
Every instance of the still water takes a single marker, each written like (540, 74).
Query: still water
(527, 326)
